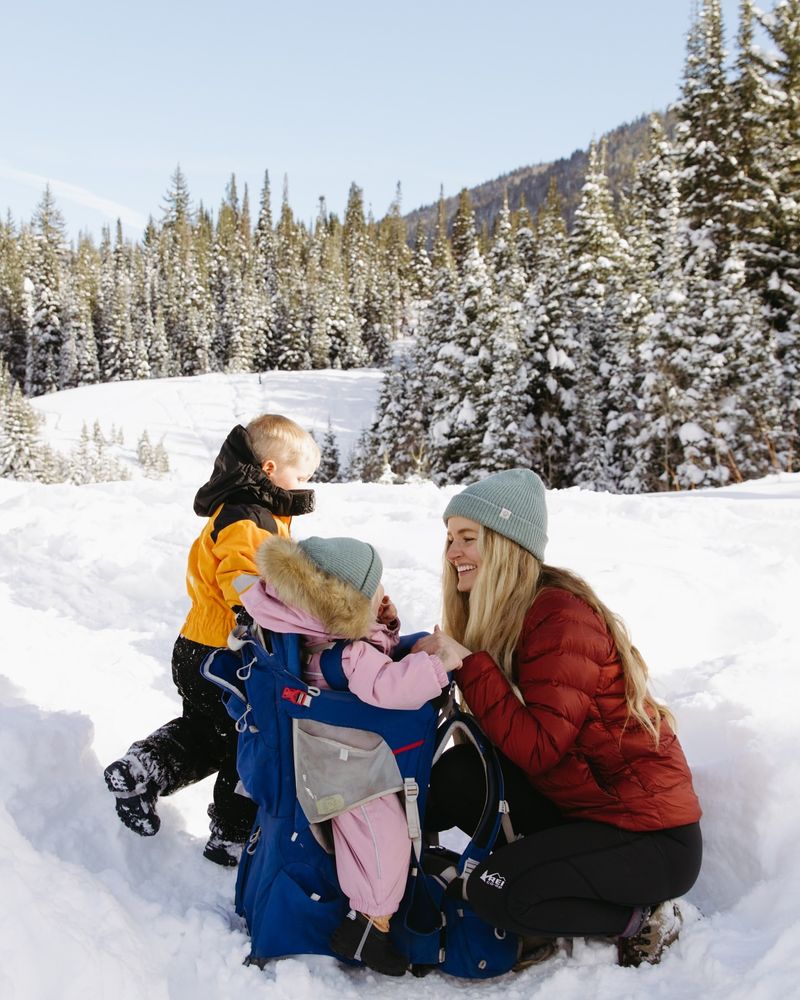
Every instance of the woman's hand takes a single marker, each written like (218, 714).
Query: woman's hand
(450, 652)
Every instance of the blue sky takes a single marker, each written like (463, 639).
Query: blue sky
(103, 99)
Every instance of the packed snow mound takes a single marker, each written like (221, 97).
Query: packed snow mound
(91, 599)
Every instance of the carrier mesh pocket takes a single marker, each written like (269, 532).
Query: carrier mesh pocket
(337, 768)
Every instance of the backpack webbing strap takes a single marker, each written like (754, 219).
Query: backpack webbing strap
(505, 822)
(411, 793)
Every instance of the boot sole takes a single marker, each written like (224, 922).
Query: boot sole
(141, 823)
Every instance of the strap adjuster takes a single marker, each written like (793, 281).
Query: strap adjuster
(297, 696)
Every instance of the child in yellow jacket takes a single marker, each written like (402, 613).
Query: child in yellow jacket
(255, 488)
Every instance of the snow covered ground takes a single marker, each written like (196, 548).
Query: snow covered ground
(91, 596)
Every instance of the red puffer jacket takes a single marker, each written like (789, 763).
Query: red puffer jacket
(570, 736)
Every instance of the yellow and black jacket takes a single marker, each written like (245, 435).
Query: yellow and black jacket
(243, 507)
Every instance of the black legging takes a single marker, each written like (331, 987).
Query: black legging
(576, 879)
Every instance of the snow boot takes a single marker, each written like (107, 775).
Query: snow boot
(221, 851)
(132, 780)
(357, 937)
(659, 928)
(534, 951)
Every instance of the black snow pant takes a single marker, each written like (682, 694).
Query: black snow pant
(198, 743)
(561, 878)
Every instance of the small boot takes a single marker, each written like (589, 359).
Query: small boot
(228, 837)
(358, 937)
(658, 929)
(221, 851)
(133, 780)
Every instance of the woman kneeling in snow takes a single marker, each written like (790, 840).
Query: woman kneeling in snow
(596, 781)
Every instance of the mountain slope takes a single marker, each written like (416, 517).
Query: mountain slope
(626, 144)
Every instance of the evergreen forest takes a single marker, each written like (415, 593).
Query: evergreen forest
(654, 344)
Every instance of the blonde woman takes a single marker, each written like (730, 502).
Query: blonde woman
(599, 791)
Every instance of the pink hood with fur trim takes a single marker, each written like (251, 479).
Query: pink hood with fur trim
(372, 675)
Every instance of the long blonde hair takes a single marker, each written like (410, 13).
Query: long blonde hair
(491, 617)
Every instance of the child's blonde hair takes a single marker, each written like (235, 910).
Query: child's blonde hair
(492, 614)
(275, 437)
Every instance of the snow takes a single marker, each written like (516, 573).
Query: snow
(193, 415)
(466, 413)
(92, 595)
(691, 433)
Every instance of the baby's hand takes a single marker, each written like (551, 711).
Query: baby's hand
(450, 652)
(450, 658)
(387, 612)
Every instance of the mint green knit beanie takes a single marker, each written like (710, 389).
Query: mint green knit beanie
(512, 503)
(348, 559)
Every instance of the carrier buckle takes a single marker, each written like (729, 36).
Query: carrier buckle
(470, 864)
(237, 637)
(297, 696)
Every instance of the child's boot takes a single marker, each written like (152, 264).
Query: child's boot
(134, 781)
(360, 937)
(222, 851)
(229, 834)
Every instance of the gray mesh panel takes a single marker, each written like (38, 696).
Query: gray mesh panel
(337, 768)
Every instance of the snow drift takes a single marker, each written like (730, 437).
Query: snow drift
(91, 597)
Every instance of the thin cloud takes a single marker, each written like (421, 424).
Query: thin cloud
(112, 210)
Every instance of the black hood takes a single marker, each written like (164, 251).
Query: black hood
(239, 478)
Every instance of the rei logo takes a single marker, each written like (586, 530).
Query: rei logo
(494, 879)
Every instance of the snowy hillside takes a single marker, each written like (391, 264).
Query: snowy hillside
(91, 597)
(193, 415)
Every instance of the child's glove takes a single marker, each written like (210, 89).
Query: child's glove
(243, 617)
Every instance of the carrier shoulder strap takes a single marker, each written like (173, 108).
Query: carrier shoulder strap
(495, 809)
(330, 663)
(285, 647)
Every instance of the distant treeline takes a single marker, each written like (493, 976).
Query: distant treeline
(654, 346)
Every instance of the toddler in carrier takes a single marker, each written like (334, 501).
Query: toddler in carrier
(327, 589)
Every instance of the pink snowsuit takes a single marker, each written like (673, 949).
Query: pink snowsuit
(371, 841)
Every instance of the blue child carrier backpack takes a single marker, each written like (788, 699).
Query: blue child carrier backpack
(295, 761)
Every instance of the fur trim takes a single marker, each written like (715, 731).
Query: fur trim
(343, 610)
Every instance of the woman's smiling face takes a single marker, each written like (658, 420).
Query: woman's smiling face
(462, 551)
